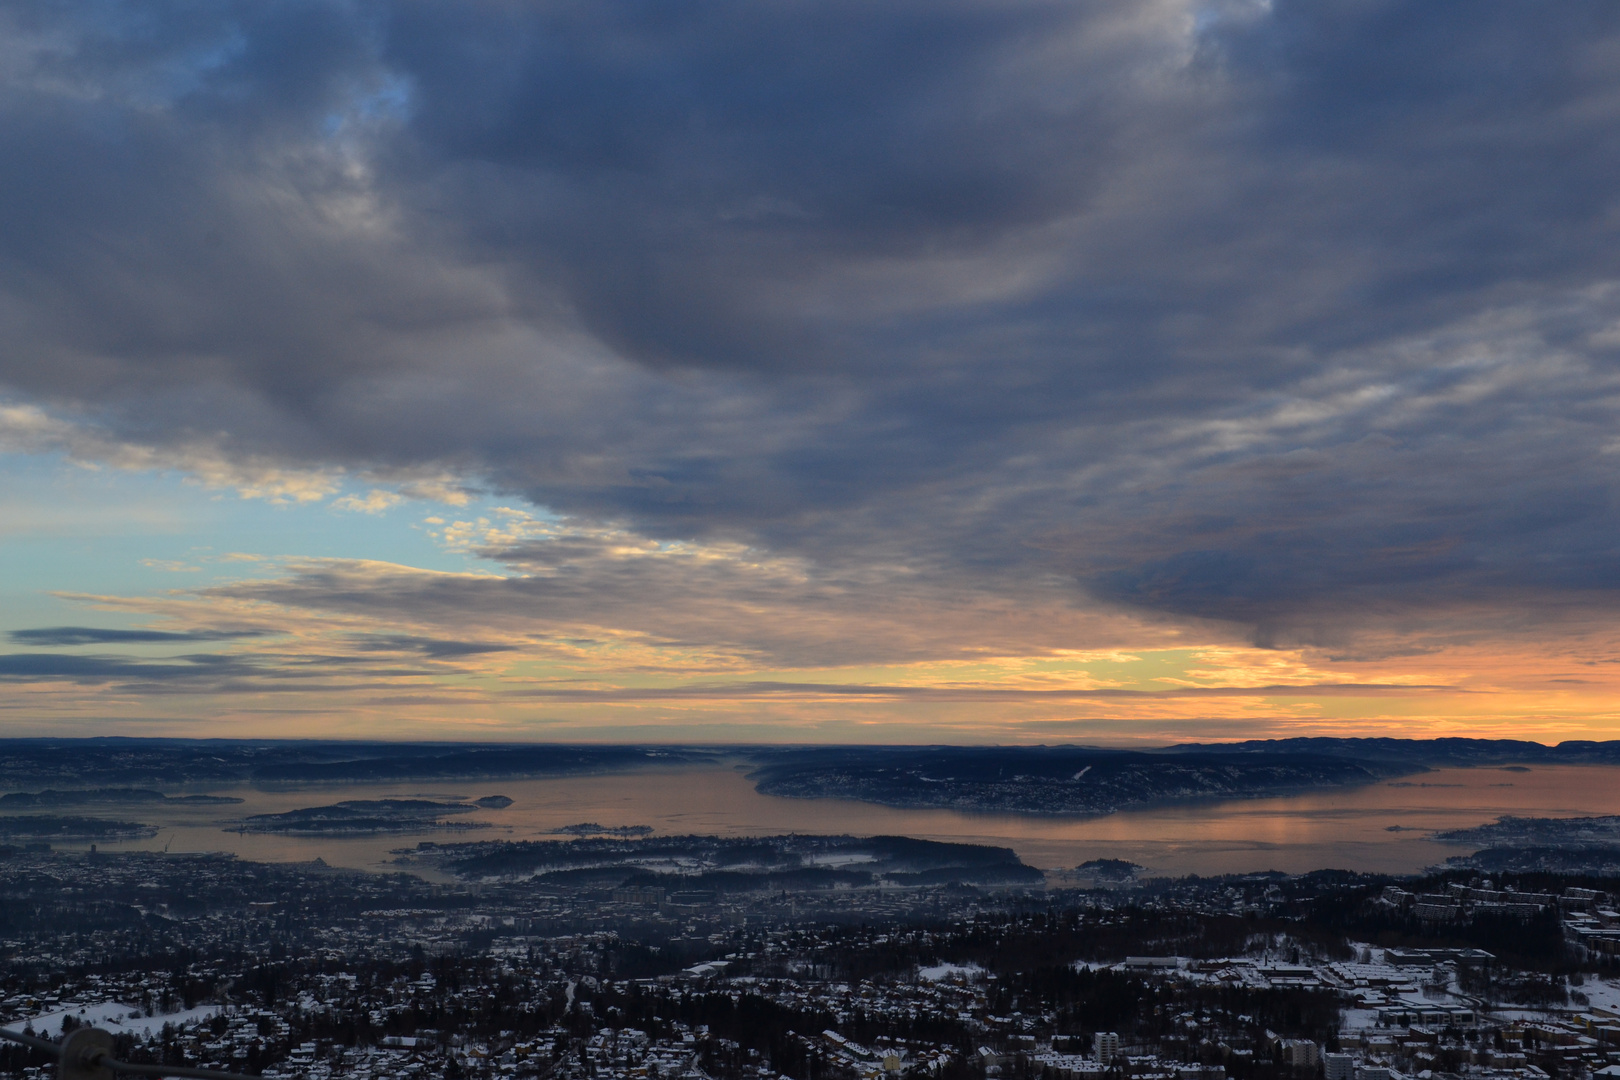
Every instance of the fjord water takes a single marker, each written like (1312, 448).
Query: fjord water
(1380, 827)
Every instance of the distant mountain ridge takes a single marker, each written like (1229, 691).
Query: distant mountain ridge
(1429, 752)
(1054, 781)
(1037, 780)
(1089, 780)
(103, 762)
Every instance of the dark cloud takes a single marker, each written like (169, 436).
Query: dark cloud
(205, 673)
(88, 635)
(435, 648)
(1299, 315)
(682, 177)
(27, 667)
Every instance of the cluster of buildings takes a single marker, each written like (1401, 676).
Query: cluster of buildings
(1587, 908)
(299, 971)
(1425, 1013)
(1590, 918)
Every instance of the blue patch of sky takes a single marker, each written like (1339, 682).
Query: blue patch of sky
(160, 85)
(64, 528)
(389, 100)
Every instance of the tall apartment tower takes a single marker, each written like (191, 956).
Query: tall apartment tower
(1105, 1046)
(1339, 1066)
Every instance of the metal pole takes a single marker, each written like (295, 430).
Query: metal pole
(30, 1040)
(83, 1055)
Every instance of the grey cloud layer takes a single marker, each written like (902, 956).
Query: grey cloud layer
(215, 673)
(89, 635)
(1296, 315)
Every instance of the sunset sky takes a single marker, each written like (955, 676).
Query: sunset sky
(1105, 371)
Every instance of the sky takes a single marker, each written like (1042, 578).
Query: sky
(1013, 371)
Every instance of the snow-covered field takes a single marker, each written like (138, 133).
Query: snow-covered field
(948, 971)
(115, 1017)
(1602, 993)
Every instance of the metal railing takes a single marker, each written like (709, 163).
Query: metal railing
(85, 1053)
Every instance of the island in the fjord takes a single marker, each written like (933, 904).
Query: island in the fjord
(1582, 845)
(1109, 870)
(591, 828)
(29, 800)
(360, 816)
(55, 827)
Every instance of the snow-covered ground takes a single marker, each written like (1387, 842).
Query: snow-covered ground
(115, 1017)
(1602, 993)
(840, 858)
(1359, 1020)
(950, 971)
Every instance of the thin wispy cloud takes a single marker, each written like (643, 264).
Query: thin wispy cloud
(757, 690)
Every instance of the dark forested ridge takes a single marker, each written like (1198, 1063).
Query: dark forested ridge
(103, 762)
(1007, 779)
(1052, 780)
